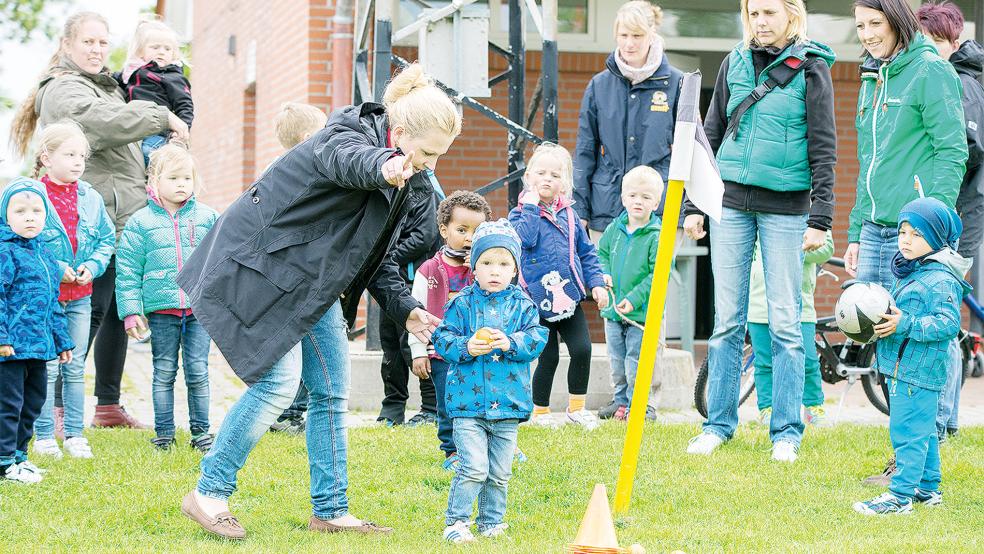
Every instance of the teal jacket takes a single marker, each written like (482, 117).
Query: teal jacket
(96, 234)
(770, 148)
(910, 123)
(758, 311)
(629, 258)
(152, 250)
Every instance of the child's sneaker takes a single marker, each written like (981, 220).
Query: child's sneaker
(765, 417)
(583, 418)
(929, 498)
(26, 464)
(47, 447)
(704, 444)
(19, 474)
(815, 415)
(422, 418)
(609, 411)
(203, 442)
(544, 420)
(78, 447)
(451, 463)
(784, 451)
(621, 414)
(291, 426)
(458, 533)
(884, 504)
(163, 443)
(519, 457)
(495, 531)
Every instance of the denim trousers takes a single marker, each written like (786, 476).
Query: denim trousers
(624, 343)
(78, 313)
(946, 418)
(912, 428)
(325, 367)
(732, 245)
(486, 449)
(762, 347)
(171, 336)
(445, 425)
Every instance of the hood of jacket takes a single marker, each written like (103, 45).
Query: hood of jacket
(104, 79)
(920, 45)
(18, 185)
(969, 59)
(954, 263)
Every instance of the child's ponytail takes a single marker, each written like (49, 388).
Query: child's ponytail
(413, 102)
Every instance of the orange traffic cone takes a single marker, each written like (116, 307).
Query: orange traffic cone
(597, 532)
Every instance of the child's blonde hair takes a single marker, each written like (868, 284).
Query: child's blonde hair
(142, 35)
(797, 22)
(639, 16)
(167, 156)
(413, 102)
(296, 120)
(644, 175)
(52, 137)
(566, 165)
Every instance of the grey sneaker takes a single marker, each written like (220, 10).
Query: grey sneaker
(884, 504)
(608, 412)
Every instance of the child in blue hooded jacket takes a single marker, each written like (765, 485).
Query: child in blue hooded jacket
(490, 333)
(33, 328)
(912, 349)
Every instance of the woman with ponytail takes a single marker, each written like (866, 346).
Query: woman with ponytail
(269, 280)
(77, 86)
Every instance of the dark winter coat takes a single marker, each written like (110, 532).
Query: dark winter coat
(620, 127)
(969, 62)
(164, 86)
(315, 228)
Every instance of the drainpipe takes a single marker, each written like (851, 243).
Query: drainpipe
(341, 54)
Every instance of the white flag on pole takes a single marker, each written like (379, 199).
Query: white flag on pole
(692, 161)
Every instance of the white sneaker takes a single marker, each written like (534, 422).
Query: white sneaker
(784, 451)
(495, 530)
(458, 533)
(26, 464)
(583, 418)
(78, 447)
(544, 420)
(20, 474)
(704, 444)
(47, 447)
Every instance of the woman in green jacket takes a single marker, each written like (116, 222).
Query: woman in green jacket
(77, 86)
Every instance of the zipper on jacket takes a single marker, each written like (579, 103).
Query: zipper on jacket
(175, 221)
(874, 134)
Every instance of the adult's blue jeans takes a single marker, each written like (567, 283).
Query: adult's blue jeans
(79, 313)
(172, 336)
(326, 369)
(913, 432)
(732, 245)
(946, 418)
(486, 449)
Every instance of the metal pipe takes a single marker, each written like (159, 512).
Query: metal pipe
(549, 71)
(342, 39)
(517, 94)
(382, 52)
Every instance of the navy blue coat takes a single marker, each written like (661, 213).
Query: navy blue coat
(621, 126)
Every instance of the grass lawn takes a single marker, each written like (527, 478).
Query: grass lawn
(127, 498)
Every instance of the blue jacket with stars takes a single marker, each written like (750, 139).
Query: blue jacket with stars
(496, 385)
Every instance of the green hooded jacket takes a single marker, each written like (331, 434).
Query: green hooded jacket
(629, 258)
(910, 123)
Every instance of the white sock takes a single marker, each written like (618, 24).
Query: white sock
(211, 506)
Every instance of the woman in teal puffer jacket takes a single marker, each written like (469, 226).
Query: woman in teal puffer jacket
(154, 246)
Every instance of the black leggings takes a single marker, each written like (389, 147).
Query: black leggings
(574, 331)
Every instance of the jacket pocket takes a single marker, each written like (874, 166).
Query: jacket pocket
(299, 236)
(251, 284)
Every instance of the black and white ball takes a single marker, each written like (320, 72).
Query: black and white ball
(859, 309)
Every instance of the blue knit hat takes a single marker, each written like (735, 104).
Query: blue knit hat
(938, 223)
(494, 234)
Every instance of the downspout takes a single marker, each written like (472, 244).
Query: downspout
(341, 54)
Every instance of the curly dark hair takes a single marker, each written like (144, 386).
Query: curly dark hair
(462, 199)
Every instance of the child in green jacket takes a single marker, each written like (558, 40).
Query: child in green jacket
(627, 251)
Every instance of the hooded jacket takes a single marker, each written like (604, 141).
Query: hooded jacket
(31, 319)
(929, 299)
(629, 258)
(910, 123)
(621, 126)
(495, 385)
(115, 167)
(153, 248)
(95, 235)
(164, 86)
(968, 60)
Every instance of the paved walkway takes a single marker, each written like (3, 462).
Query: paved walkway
(226, 389)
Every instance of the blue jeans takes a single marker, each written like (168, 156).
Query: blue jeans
(878, 246)
(486, 449)
(78, 313)
(946, 418)
(326, 370)
(732, 245)
(171, 335)
(445, 425)
(624, 342)
(912, 428)
(149, 144)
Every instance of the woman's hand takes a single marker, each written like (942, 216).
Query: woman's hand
(179, 129)
(398, 169)
(813, 239)
(600, 295)
(693, 226)
(422, 323)
(851, 259)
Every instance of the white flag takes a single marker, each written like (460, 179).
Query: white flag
(692, 161)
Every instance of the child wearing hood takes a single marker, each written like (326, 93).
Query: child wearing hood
(912, 349)
(154, 246)
(33, 327)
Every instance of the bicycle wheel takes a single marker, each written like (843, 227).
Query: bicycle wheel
(745, 387)
(875, 391)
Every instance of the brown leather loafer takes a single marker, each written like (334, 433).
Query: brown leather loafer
(319, 525)
(224, 525)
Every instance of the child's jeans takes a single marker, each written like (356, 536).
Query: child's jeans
(762, 347)
(22, 390)
(486, 449)
(624, 343)
(79, 314)
(445, 425)
(169, 335)
(912, 428)
(149, 144)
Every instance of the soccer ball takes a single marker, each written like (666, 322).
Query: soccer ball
(859, 309)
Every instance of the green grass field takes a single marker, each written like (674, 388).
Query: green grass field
(127, 498)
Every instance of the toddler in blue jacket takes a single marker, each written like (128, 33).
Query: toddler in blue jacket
(490, 334)
(912, 349)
